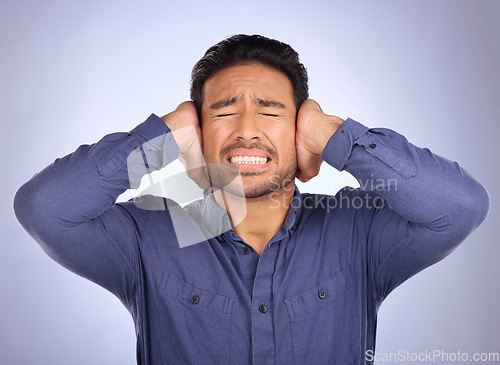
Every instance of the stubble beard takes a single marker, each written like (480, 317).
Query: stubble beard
(223, 176)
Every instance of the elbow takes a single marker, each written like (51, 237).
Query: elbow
(24, 209)
(461, 216)
(31, 208)
(482, 205)
(472, 208)
(20, 204)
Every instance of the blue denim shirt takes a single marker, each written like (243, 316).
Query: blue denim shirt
(313, 294)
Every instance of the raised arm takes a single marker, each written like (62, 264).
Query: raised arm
(69, 207)
(430, 204)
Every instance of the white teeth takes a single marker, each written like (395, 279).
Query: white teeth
(245, 160)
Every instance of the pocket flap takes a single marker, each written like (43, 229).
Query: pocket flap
(320, 295)
(206, 301)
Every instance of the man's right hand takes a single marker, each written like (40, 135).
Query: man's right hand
(183, 122)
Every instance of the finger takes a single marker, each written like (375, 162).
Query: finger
(194, 165)
(301, 176)
(310, 104)
(308, 169)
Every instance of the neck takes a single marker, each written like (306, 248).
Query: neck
(257, 220)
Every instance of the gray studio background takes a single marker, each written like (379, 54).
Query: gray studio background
(73, 71)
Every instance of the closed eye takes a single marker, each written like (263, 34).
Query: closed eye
(225, 115)
(269, 115)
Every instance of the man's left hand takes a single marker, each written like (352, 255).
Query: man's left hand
(314, 129)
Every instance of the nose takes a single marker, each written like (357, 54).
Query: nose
(248, 127)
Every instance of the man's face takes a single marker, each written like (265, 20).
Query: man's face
(248, 126)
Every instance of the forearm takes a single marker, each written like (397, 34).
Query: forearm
(428, 206)
(69, 207)
(422, 187)
(82, 185)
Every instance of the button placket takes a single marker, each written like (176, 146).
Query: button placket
(262, 316)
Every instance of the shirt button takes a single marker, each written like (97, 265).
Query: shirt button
(137, 149)
(322, 294)
(263, 309)
(245, 250)
(195, 299)
(372, 146)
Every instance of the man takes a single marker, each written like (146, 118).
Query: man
(277, 277)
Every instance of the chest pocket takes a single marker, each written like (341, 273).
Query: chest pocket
(195, 323)
(323, 322)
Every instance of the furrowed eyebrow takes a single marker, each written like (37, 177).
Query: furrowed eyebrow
(224, 103)
(270, 103)
(263, 102)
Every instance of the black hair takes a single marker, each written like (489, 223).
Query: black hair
(247, 49)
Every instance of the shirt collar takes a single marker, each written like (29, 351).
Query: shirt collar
(215, 220)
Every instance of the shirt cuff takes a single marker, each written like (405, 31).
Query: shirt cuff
(339, 146)
(152, 127)
(157, 138)
(146, 148)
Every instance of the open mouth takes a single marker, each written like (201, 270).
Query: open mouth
(248, 160)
